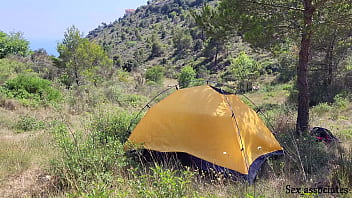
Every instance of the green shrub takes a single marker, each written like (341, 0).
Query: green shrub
(341, 101)
(122, 76)
(287, 87)
(133, 100)
(114, 125)
(131, 43)
(84, 160)
(321, 108)
(10, 68)
(266, 107)
(347, 133)
(32, 88)
(13, 43)
(29, 123)
(117, 95)
(186, 76)
(100, 190)
(287, 67)
(245, 68)
(162, 182)
(155, 74)
(304, 155)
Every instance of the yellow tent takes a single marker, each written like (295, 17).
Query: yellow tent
(212, 125)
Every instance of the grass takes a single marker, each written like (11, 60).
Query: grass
(276, 94)
(13, 158)
(21, 151)
(88, 159)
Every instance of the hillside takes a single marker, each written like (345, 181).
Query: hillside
(65, 121)
(165, 33)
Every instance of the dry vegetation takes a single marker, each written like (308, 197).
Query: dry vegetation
(34, 162)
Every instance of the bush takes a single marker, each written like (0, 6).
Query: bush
(29, 123)
(10, 68)
(13, 43)
(113, 125)
(245, 68)
(321, 108)
(155, 74)
(304, 155)
(30, 87)
(85, 161)
(163, 183)
(341, 101)
(187, 75)
(287, 67)
(116, 95)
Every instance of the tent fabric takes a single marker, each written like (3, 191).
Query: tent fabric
(212, 126)
(253, 169)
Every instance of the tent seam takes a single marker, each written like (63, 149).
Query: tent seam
(233, 115)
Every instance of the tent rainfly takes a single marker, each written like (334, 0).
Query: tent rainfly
(211, 125)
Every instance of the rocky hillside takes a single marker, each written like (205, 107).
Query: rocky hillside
(165, 33)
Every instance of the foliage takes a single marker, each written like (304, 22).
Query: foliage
(264, 26)
(182, 40)
(83, 60)
(163, 182)
(114, 125)
(122, 76)
(130, 65)
(10, 68)
(84, 159)
(321, 108)
(29, 123)
(155, 73)
(157, 47)
(117, 95)
(29, 88)
(287, 63)
(175, 38)
(13, 43)
(343, 174)
(305, 156)
(44, 64)
(341, 101)
(245, 68)
(186, 76)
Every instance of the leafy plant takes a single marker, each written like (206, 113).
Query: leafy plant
(186, 76)
(162, 182)
(29, 123)
(13, 43)
(84, 159)
(155, 74)
(10, 68)
(83, 60)
(245, 68)
(341, 101)
(29, 87)
(321, 108)
(115, 125)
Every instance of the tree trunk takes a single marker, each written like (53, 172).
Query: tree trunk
(216, 54)
(302, 124)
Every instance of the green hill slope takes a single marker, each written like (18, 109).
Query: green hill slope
(165, 33)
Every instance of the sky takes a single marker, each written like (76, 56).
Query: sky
(43, 22)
